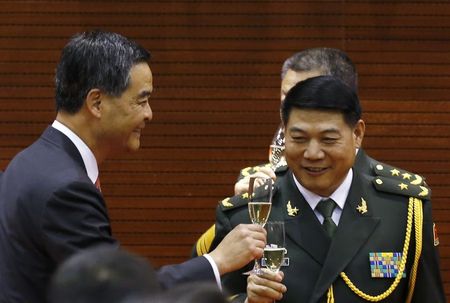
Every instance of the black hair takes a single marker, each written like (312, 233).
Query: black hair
(328, 61)
(324, 93)
(95, 59)
(103, 275)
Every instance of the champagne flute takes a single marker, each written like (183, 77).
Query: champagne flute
(275, 247)
(259, 206)
(276, 149)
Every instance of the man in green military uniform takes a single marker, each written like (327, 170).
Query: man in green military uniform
(302, 65)
(376, 243)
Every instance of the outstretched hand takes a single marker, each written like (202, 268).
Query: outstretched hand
(242, 245)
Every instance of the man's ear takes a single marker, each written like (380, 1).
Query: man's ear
(93, 102)
(358, 133)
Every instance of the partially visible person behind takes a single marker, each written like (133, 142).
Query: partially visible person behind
(350, 236)
(103, 275)
(51, 204)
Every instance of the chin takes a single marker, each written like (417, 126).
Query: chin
(317, 188)
(133, 146)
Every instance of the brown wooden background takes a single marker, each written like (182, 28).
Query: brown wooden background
(216, 66)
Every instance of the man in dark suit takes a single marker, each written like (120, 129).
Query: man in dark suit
(350, 237)
(51, 204)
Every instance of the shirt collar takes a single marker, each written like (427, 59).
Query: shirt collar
(86, 154)
(339, 195)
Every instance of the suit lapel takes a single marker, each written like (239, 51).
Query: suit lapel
(304, 229)
(57, 138)
(353, 231)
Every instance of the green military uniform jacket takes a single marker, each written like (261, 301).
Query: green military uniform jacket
(363, 163)
(373, 220)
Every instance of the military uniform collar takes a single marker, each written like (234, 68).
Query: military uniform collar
(339, 195)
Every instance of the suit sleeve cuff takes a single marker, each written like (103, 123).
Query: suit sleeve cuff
(215, 270)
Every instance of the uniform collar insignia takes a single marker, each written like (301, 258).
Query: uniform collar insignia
(362, 208)
(291, 211)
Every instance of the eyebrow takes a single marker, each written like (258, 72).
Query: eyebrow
(328, 130)
(144, 93)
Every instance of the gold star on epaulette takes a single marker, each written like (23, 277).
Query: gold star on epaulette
(396, 186)
(291, 211)
(226, 202)
(244, 195)
(403, 186)
(395, 172)
(363, 207)
(406, 176)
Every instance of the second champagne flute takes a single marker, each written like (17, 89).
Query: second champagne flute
(275, 247)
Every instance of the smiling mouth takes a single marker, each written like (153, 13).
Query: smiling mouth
(315, 170)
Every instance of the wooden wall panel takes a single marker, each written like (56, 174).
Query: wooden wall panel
(216, 66)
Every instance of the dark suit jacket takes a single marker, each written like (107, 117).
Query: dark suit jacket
(49, 209)
(316, 261)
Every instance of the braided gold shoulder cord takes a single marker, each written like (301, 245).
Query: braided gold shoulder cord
(414, 207)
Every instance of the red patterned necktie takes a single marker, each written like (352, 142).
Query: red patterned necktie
(97, 184)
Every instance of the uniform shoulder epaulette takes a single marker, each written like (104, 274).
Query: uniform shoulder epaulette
(385, 170)
(245, 172)
(399, 187)
(234, 202)
(280, 168)
(242, 200)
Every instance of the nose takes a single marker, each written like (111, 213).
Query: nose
(148, 113)
(313, 151)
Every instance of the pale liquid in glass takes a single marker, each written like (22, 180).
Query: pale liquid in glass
(259, 212)
(274, 258)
